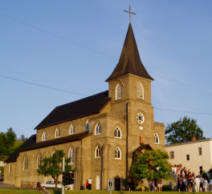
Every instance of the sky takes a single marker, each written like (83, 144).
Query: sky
(55, 52)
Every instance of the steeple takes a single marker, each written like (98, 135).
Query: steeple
(129, 61)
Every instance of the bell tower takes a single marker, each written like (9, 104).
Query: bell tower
(130, 79)
(131, 103)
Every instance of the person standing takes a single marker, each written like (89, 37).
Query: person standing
(197, 183)
(205, 185)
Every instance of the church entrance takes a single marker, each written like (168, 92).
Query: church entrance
(97, 182)
(117, 181)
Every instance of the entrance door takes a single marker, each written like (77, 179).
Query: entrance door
(117, 183)
(97, 182)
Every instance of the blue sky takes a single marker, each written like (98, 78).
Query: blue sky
(75, 45)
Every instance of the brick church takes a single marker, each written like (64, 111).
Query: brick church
(100, 132)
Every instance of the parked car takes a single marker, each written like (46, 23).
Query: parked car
(51, 184)
(69, 187)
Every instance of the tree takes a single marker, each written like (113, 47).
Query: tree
(150, 165)
(183, 130)
(7, 141)
(52, 166)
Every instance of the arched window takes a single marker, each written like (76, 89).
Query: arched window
(118, 92)
(43, 138)
(71, 129)
(98, 129)
(39, 158)
(172, 155)
(117, 153)
(71, 155)
(97, 152)
(10, 168)
(156, 136)
(117, 132)
(25, 163)
(57, 132)
(140, 91)
(87, 126)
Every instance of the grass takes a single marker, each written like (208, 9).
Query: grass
(22, 191)
(18, 191)
(125, 192)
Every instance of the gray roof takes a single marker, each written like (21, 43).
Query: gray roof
(189, 142)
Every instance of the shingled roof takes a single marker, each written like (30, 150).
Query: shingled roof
(129, 61)
(66, 139)
(74, 110)
(31, 144)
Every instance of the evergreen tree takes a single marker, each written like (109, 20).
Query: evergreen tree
(7, 142)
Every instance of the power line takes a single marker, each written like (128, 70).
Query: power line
(55, 35)
(35, 27)
(184, 111)
(40, 85)
(64, 39)
(81, 94)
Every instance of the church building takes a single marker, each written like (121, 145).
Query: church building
(100, 132)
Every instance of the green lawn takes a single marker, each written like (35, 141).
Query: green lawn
(125, 192)
(18, 191)
(22, 191)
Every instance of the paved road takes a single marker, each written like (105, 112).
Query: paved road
(2, 185)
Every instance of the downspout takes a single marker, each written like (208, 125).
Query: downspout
(127, 174)
(101, 171)
(81, 167)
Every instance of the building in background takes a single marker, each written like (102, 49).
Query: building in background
(194, 155)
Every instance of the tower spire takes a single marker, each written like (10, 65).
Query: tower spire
(129, 61)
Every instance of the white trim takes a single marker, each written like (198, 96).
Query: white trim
(156, 138)
(71, 129)
(118, 91)
(9, 168)
(43, 137)
(98, 129)
(39, 158)
(87, 126)
(115, 134)
(117, 151)
(25, 163)
(140, 90)
(71, 155)
(140, 115)
(97, 152)
(57, 132)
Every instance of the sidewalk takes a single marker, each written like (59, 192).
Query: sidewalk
(2, 185)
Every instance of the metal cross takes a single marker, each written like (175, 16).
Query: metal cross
(130, 13)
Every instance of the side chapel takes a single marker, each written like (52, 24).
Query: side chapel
(100, 132)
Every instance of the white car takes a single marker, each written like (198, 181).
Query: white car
(69, 187)
(51, 184)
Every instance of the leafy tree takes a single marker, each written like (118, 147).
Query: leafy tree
(150, 165)
(52, 166)
(183, 130)
(7, 141)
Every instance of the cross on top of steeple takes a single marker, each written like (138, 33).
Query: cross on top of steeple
(130, 12)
